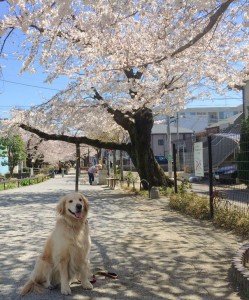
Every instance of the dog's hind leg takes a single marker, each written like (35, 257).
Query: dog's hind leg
(48, 284)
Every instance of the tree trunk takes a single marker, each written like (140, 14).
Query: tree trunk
(141, 153)
(11, 169)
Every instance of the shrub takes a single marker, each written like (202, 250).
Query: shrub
(10, 185)
(191, 204)
(46, 170)
(232, 220)
(198, 207)
(166, 191)
(24, 182)
(242, 227)
(130, 178)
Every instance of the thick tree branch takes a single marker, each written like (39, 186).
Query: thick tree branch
(212, 21)
(77, 140)
(130, 74)
(120, 117)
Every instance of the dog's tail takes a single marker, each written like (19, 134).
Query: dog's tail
(30, 287)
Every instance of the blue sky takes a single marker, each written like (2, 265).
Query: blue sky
(24, 90)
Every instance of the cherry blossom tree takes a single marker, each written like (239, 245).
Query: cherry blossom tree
(49, 152)
(127, 61)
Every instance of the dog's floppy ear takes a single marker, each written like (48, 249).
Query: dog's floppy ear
(61, 206)
(86, 203)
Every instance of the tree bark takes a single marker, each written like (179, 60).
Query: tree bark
(139, 124)
(141, 153)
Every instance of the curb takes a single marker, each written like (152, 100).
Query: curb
(240, 273)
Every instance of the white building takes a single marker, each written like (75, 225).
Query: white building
(211, 114)
(159, 138)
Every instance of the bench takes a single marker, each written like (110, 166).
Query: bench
(111, 182)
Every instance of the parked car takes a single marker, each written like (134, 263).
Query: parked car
(161, 160)
(193, 179)
(227, 174)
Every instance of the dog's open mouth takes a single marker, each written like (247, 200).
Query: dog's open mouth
(77, 214)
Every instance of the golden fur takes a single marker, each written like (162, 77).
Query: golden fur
(65, 256)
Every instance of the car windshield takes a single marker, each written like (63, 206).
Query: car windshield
(227, 168)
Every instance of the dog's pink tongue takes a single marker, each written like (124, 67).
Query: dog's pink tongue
(78, 214)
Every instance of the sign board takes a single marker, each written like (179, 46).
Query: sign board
(170, 157)
(198, 159)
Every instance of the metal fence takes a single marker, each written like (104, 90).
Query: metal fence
(226, 168)
(13, 183)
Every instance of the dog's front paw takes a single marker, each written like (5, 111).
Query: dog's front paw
(50, 287)
(87, 285)
(66, 290)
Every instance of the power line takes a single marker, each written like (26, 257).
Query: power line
(52, 89)
(30, 85)
(14, 105)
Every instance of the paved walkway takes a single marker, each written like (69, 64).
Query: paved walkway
(157, 253)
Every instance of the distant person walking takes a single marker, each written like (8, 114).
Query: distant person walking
(91, 172)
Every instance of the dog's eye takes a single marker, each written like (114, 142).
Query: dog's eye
(70, 201)
(80, 200)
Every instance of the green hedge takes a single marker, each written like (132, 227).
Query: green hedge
(24, 182)
(198, 207)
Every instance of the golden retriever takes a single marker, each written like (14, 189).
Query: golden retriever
(65, 256)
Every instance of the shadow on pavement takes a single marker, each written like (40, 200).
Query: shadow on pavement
(157, 253)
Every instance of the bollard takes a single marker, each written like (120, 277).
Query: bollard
(154, 193)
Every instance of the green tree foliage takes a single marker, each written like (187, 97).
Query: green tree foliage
(13, 148)
(243, 157)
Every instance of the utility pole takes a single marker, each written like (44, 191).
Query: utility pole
(77, 167)
(169, 148)
(177, 135)
(245, 94)
(121, 166)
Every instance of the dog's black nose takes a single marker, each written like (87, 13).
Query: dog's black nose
(78, 206)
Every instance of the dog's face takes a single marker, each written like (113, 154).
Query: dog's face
(74, 205)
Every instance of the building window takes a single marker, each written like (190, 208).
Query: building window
(222, 115)
(212, 117)
(160, 142)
